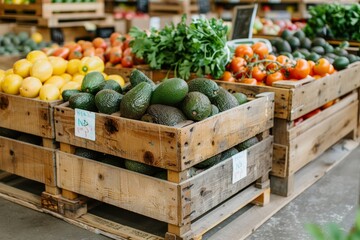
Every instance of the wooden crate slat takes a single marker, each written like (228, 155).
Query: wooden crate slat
(214, 186)
(69, 11)
(129, 190)
(27, 115)
(280, 162)
(314, 142)
(28, 161)
(170, 147)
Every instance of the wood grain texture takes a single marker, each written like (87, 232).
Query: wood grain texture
(28, 161)
(27, 115)
(170, 147)
(316, 140)
(119, 187)
(280, 160)
(213, 186)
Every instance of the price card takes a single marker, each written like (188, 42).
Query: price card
(239, 166)
(85, 124)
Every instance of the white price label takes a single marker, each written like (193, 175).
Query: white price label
(85, 124)
(239, 166)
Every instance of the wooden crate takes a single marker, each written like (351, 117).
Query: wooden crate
(30, 161)
(294, 99)
(6, 62)
(294, 147)
(45, 13)
(171, 7)
(179, 202)
(175, 148)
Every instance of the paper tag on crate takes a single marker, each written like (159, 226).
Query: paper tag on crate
(85, 124)
(239, 166)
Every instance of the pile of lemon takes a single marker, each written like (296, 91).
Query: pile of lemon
(42, 77)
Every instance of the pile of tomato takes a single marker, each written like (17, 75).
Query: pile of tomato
(115, 52)
(256, 66)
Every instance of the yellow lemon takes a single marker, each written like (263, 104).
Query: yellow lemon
(73, 66)
(59, 65)
(33, 56)
(30, 87)
(36, 37)
(41, 69)
(11, 84)
(22, 67)
(2, 76)
(105, 75)
(56, 80)
(78, 78)
(9, 71)
(71, 85)
(117, 78)
(67, 77)
(49, 92)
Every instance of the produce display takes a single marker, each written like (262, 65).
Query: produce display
(21, 43)
(115, 52)
(196, 48)
(45, 78)
(275, 27)
(168, 103)
(334, 21)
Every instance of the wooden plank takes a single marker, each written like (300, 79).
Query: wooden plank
(122, 188)
(256, 216)
(280, 160)
(170, 147)
(27, 115)
(27, 160)
(211, 187)
(311, 96)
(314, 142)
(224, 211)
(296, 131)
(282, 96)
(21, 197)
(225, 130)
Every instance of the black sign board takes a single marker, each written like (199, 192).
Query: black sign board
(204, 6)
(243, 21)
(142, 6)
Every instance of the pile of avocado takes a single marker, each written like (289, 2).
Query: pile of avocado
(169, 103)
(297, 45)
(18, 44)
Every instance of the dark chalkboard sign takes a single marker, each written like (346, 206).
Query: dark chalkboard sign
(243, 21)
(142, 6)
(204, 6)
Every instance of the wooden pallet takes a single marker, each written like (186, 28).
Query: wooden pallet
(181, 204)
(171, 7)
(296, 146)
(241, 226)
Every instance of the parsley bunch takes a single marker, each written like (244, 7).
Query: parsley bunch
(199, 47)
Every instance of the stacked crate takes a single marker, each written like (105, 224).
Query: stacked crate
(182, 199)
(24, 159)
(295, 145)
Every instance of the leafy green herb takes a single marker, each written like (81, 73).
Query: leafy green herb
(334, 21)
(199, 47)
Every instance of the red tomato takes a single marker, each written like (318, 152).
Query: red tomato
(271, 66)
(127, 62)
(127, 52)
(126, 44)
(312, 113)
(250, 81)
(238, 64)
(89, 52)
(99, 43)
(260, 49)
(311, 64)
(227, 76)
(259, 73)
(61, 52)
(75, 47)
(75, 55)
(244, 51)
(274, 77)
(115, 38)
(322, 66)
(300, 70)
(115, 55)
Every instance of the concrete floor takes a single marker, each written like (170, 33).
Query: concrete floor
(334, 198)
